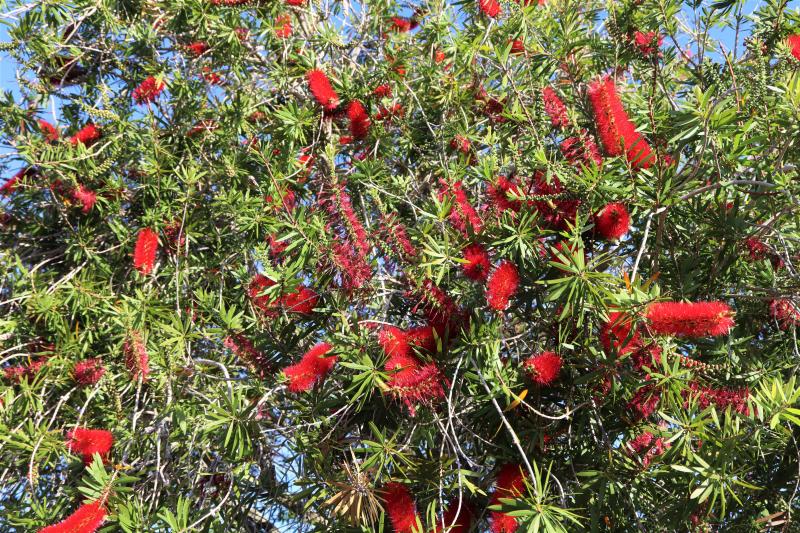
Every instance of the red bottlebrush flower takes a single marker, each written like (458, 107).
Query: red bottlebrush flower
(617, 133)
(174, 236)
(148, 90)
(296, 3)
(87, 442)
(383, 91)
(439, 56)
(321, 88)
(144, 254)
(400, 508)
(455, 519)
(48, 130)
(502, 285)
(501, 195)
(302, 301)
(85, 197)
(422, 338)
(29, 371)
(385, 113)
(645, 401)
(11, 184)
(517, 46)
(510, 483)
(648, 43)
(756, 248)
(581, 151)
(244, 349)
(255, 290)
(312, 368)
(646, 446)
(136, 359)
(785, 312)
(86, 136)
(242, 33)
(616, 336)
(647, 356)
(793, 42)
(555, 212)
(695, 319)
(86, 519)
(490, 8)
(543, 368)
(338, 204)
(477, 265)
(612, 222)
(721, 398)
(402, 24)
(359, 120)
(555, 108)
(198, 48)
(416, 384)
(462, 212)
(88, 372)
(397, 238)
(210, 76)
(283, 26)
(202, 126)
(460, 143)
(394, 342)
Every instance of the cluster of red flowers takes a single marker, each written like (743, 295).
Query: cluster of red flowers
(301, 301)
(617, 133)
(793, 42)
(504, 194)
(786, 312)
(462, 215)
(543, 368)
(555, 108)
(198, 48)
(645, 401)
(15, 373)
(283, 26)
(88, 372)
(612, 222)
(411, 381)
(618, 334)
(86, 519)
(87, 136)
(581, 151)
(144, 253)
(397, 238)
(502, 285)
(321, 88)
(312, 368)
(692, 319)
(490, 8)
(244, 349)
(721, 398)
(359, 119)
(647, 447)
(477, 264)
(403, 24)
(510, 483)
(48, 130)
(148, 90)
(400, 508)
(552, 202)
(137, 361)
(648, 43)
(87, 442)
(84, 197)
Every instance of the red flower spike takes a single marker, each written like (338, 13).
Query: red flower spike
(503, 195)
(462, 213)
(502, 285)
(198, 48)
(698, 319)
(283, 26)
(510, 483)
(555, 108)
(785, 312)
(455, 519)
(88, 372)
(615, 335)
(383, 91)
(144, 254)
(581, 151)
(490, 8)
(477, 266)
(85, 197)
(543, 368)
(86, 136)
(296, 3)
(87, 442)
(86, 519)
(612, 222)
(321, 88)
(644, 401)
(148, 90)
(359, 120)
(312, 368)
(517, 46)
(137, 361)
(793, 42)
(648, 43)
(400, 508)
(243, 348)
(48, 130)
(617, 133)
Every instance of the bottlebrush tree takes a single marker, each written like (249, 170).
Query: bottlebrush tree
(379, 266)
